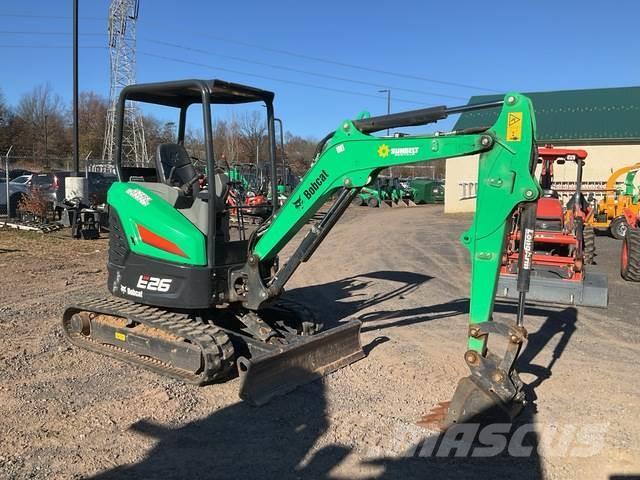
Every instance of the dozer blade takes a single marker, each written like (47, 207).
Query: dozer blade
(288, 367)
(593, 291)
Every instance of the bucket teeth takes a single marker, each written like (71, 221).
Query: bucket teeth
(436, 417)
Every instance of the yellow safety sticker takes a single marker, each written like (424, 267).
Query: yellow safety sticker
(121, 336)
(514, 126)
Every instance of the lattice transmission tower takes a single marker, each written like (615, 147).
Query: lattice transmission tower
(123, 15)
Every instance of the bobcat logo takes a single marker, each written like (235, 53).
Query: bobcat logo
(298, 203)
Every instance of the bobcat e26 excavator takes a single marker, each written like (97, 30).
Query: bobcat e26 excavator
(190, 303)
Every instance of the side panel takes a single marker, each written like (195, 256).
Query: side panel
(152, 281)
(140, 207)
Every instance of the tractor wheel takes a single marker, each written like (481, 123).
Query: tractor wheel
(372, 202)
(630, 256)
(358, 201)
(618, 228)
(589, 247)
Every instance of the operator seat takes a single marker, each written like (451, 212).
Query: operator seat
(174, 165)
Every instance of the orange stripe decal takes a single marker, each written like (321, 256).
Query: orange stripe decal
(157, 241)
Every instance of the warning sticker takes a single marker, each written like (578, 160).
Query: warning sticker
(121, 336)
(514, 126)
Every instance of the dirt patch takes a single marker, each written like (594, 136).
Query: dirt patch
(67, 413)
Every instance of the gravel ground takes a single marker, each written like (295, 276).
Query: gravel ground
(67, 413)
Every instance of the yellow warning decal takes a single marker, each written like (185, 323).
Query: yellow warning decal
(514, 126)
(121, 336)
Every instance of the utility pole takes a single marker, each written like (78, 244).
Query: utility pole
(388, 92)
(76, 138)
(75, 185)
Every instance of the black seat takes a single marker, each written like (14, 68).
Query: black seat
(174, 165)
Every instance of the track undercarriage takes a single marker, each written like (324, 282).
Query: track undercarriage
(275, 350)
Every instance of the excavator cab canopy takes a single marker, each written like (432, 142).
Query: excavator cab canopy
(181, 94)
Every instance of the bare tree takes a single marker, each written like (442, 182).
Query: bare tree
(6, 118)
(41, 124)
(233, 140)
(252, 136)
(92, 114)
(299, 152)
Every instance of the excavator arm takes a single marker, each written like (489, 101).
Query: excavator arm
(350, 159)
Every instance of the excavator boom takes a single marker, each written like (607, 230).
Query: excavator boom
(350, 159)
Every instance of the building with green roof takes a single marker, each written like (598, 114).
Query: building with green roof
(603, 121)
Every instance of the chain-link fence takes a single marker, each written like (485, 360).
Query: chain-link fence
(19, 175)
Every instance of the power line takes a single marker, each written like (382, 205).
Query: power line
(297, 55)
(59, 17)
(16, 32)
(50, 46)
(255, 62)
(305, 72)
(292, 82)
(335, 62)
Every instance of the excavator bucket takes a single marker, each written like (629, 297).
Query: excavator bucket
(386, 204)
(471, 403)
(287, 367)
(493, 393)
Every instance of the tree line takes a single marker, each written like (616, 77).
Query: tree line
(39, 127)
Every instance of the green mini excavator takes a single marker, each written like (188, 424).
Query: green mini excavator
(188, 302)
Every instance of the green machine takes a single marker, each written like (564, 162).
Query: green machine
(383, 191)
(427, 190)
(188, 302)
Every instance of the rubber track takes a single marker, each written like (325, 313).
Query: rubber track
(632, 240)
(215, 345)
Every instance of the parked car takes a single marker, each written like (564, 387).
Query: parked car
(99, 183)
(16, 193)
(17, 172)
(47, 183)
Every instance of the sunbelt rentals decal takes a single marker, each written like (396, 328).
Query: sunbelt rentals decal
(384, 151)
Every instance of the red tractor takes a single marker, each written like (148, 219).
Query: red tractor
(563, 245)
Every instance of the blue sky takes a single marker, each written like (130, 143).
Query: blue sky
(439, 52)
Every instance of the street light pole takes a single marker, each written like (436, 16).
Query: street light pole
(388, 92)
